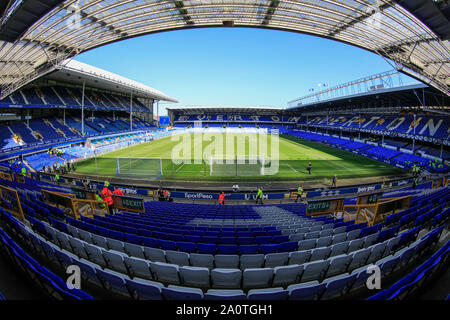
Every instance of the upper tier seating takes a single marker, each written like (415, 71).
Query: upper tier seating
(405, 160)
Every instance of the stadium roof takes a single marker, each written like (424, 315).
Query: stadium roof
(412, 34)
(222, 109)
(77, 72)
(418, 95)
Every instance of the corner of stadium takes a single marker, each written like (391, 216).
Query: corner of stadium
(341, 195)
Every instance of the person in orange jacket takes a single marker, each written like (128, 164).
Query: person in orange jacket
(106, 195)
(117, 192)
(222, 198)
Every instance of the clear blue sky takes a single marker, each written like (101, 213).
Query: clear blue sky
(234, 66)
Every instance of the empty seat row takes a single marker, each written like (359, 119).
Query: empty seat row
(309, 252)
(147, 282)
(175, 273)
(207, 248)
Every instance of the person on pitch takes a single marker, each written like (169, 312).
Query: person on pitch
(309, 167)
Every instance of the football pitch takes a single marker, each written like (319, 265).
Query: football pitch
(287, 161)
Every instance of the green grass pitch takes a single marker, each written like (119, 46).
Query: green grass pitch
(294, 155)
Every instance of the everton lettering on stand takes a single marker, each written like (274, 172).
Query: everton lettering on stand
(338, 192)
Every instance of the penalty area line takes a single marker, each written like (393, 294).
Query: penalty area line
(181, 167)
(291, 167)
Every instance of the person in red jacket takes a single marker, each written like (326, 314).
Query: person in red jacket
(222, 198)
(106, 195)
(117, 192)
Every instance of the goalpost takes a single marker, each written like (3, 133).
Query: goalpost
(238, 165)
(138, 168)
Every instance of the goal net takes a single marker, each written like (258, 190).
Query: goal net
(138, 168)
(238, 165)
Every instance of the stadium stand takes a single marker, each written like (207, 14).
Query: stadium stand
(403, 160)
(228, 252)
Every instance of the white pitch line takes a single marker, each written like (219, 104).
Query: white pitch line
(291, 167)
(182, 165)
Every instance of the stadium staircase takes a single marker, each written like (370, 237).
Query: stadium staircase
(278, 217)
(23, 96)
(59, 96)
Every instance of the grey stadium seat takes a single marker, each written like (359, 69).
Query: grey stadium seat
(338, 264)
(195, 276)
(340, 237)
(181, 293)
(312, 235)
(139, 268)
(115, 245)
(359, 258)
(85, 236)
(268, 294)
(370, 240)
(201, 260)
(326, 233)
(376, 253)
(73, 231)
(100, 241)
(339, 230)
(286, 275)
(226, 278)
(276, 259)
(354, 234)
(78, 248)
(225, 294)
(324, 241)
(307, 244)
(251, 261)
(134, 250)
(154, 254)
(314, 270)
(339, 248)
(355, 245)
(95, 254)
(296, 237)
(165, 272)
(257, 278)
(320, 254)
(226, 261)
(177, 257)
(114, 261)
(299, 257)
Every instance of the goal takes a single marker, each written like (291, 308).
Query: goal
(238, 165)
(138, 168)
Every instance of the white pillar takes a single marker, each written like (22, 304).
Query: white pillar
(359, 126)
(82, 109)
(157, 113)
(131, 111)
(414, 137)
